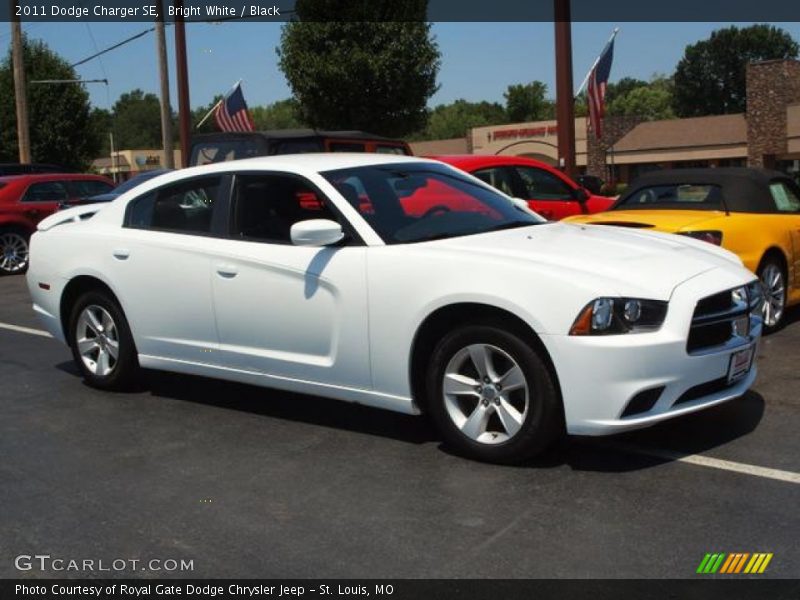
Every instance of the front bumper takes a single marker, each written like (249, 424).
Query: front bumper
(599, 376)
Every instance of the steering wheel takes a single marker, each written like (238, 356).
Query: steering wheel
(435, 210)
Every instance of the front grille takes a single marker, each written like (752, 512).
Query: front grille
(718, 319)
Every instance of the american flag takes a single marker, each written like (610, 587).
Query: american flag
(596, 91)
(232, 113)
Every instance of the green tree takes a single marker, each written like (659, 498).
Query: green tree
(278, 115)
(623, 87)
(454, 120)
(137, 120)
(101, 123)
(528, 102)
(710, 79)
(651, 101)
(351, 68)
(58, 114)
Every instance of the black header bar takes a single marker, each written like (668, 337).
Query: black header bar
(616, 11)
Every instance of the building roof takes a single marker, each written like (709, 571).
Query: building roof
(719, 130)
(106, 162)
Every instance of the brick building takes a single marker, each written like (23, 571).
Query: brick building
(768, 134)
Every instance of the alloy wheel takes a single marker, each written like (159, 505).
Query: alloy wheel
(486, 393)
(13, 252)
(97, 340)
(774, 294)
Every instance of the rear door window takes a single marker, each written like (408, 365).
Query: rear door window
(346, 147)
(88, 188)
(46, 191)
(390, 149)
(186, 207)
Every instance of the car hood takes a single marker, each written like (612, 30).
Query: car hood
(630, 260)
(658, 220)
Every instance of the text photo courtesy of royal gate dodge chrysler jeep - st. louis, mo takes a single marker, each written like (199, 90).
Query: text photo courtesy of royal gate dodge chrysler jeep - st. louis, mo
(411, 299)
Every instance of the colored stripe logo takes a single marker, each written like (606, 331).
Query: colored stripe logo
(734, 563)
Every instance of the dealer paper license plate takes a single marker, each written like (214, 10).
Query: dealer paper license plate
(741, 361)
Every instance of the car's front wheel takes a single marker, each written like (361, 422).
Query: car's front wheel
(492, 395)
(13, 252)
(774, 283)
(101, 341)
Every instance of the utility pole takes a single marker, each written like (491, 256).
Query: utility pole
(163, 72)
(20, 89)
(565, 103)
(182, 72)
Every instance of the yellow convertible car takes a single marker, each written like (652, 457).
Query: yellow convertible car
(752, 212)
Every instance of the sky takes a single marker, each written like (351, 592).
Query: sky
(479, 60)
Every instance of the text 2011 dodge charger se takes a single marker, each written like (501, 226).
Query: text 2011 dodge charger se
(399, 283)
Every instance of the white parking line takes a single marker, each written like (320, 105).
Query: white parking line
(28, 330)
(692, 459)
(705, 461)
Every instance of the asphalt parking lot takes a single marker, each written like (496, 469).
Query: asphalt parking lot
(248, 482)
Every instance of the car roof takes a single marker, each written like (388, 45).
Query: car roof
(313, 162)
(744, 189)
(718, 175)
(475, 161)
(34, 177)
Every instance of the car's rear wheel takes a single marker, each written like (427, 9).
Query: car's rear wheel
(13, 252)
(773, 280)
(101, 341)
(492, 395)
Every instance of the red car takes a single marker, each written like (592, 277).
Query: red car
(27, 199)
(547, 191)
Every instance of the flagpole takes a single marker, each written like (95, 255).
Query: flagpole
(208, 114)
(597, 60)
(213, 108)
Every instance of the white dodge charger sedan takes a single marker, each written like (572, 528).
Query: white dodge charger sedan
(399, 283)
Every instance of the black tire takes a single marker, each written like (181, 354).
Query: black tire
(769, 267)
(126, 366)
(542, 421)
(14, 251)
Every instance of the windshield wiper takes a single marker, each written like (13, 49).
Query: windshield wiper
(451, 234)
(512, 225)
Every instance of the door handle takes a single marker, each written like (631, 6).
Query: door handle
(121, 253)
(227, 271)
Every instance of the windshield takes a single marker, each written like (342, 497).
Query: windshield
(674, 196)
(416, 202)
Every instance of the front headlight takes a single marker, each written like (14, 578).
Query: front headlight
(755, 300)
(606, 316)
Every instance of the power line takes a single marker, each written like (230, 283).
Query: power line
(146, 31)
(69, 81)
(114, 47)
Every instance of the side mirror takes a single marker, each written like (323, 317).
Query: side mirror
(316, 232)
(581, 195)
